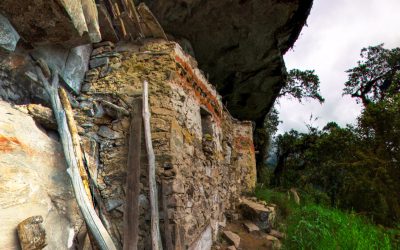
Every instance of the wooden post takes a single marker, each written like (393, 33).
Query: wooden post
(93, 222)
(131, 214)
(167, 226)
(155, 218)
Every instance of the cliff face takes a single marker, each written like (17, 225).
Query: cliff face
(238, 43)
(102, 51)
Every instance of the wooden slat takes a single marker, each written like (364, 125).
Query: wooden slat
(131, 214)
(155, 218)
(93, 222)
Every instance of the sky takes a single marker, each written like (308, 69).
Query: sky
(337, 30)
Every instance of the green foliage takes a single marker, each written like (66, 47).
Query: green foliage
(377, 75)
(316, 227)
(312, 226)
(302, 84)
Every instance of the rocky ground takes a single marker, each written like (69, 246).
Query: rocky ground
(251, 228)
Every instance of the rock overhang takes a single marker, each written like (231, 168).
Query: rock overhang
(240, 44)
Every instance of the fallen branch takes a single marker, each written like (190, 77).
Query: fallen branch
(131, 215)
(155, 227)
(93, 222)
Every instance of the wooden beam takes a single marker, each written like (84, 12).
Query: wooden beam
(167, 227)
(155, 218)
(93, 222)
(131, 214)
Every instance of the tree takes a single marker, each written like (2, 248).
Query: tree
(299, 85)
(377, 75)
(302, 84)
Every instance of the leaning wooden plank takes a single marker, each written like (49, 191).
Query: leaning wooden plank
(93, 222)
(155, 227)
(75, 139)
(131, 215)
(31, 233)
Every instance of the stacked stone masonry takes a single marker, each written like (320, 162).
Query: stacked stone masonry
(204, 158)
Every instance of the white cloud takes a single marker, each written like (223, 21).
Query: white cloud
(337, 31)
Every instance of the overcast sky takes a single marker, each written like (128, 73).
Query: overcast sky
(336, 32)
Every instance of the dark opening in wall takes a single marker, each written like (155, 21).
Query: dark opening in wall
(206, 124)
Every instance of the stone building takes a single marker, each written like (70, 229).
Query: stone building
(204, 157)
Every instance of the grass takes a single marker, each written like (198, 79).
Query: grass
(312, 226)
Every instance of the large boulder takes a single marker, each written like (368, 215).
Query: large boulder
(67, 22)
(33, 182)
(239, 43)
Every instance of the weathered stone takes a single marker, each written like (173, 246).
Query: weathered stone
(43, 115)
(101, 50)
(113, 204)
(91, 17)
(106, 132)
(99, 61)
(251, 227)
(232, 238)
(46, 22)
(31, 233)
(76, 66)
(261, 215)
(106, 43)
(8, 36)
(150, 25)
(71, 64)
(106, 26)
(33, 181)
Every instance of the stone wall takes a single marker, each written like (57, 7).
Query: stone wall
(204, 157)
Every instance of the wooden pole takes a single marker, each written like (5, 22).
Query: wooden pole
(155, 227)
(131, 214)
(75, 139)
(93, 222)
(167, 226)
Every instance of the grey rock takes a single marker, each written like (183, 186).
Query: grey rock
(76, 66)
(108, 133)
(86, 87)
(232, 238)
(112, 204)
(99, 61)
(86, 105)
(8, 36)
(106, 26)
(70, 63)
(251, 227)
(48, 22)
(33, 181)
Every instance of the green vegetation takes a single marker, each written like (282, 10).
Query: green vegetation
(312, 226)
(348, 177)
